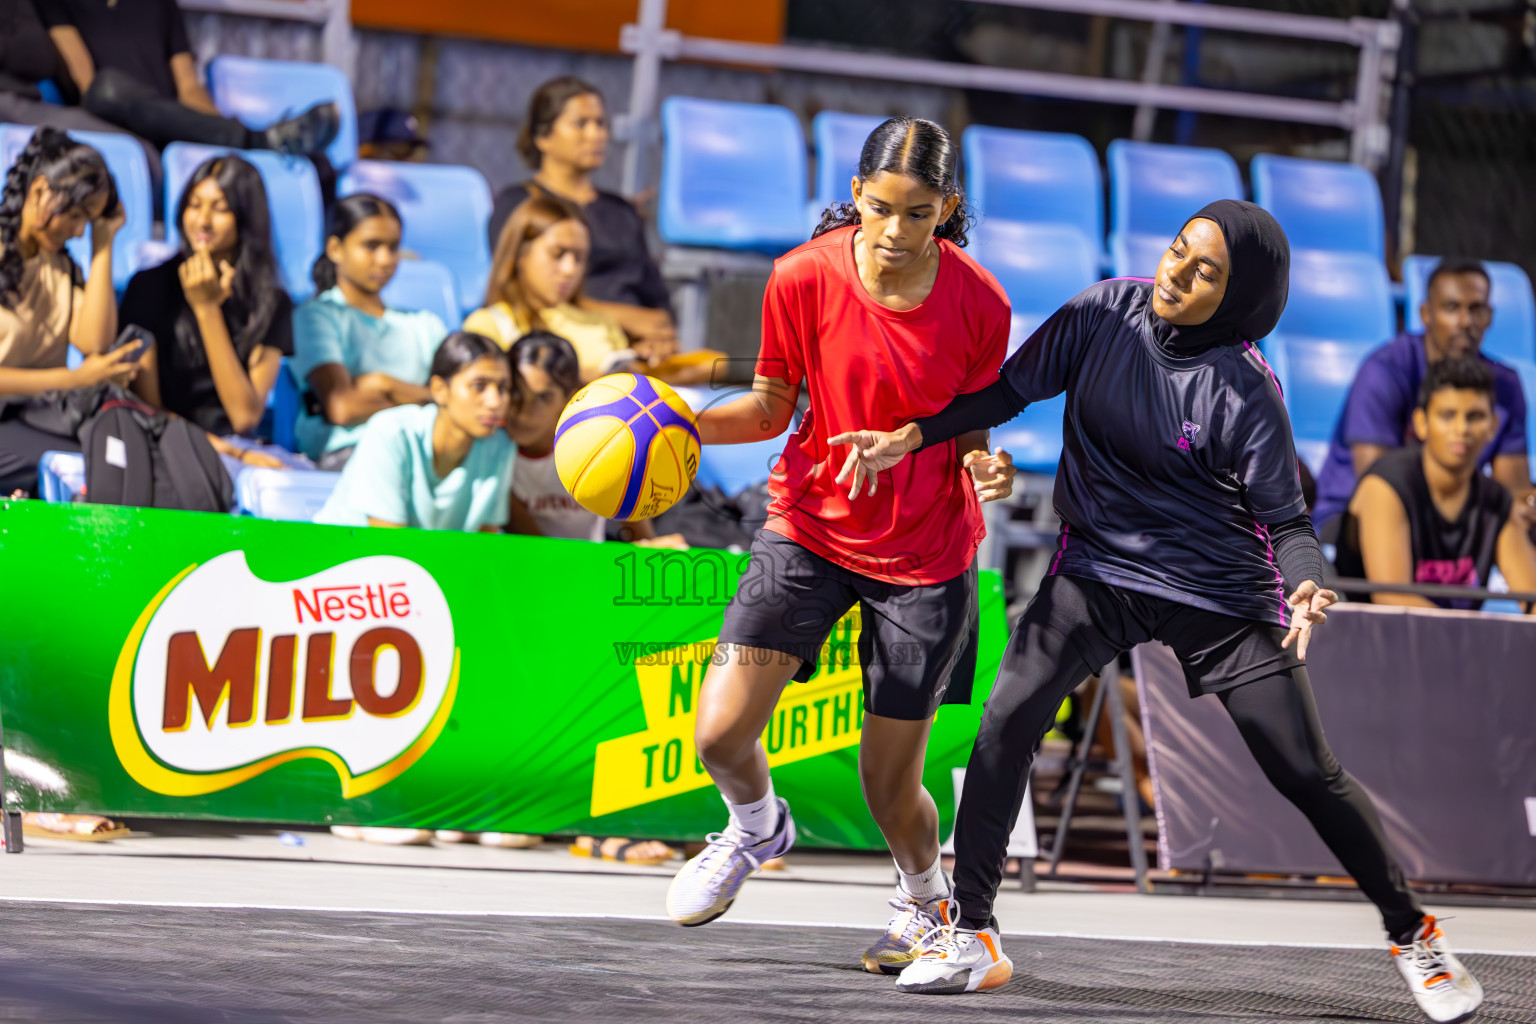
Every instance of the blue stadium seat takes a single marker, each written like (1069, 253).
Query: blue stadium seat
(1512, 335)
(293, 196)
(259, 93)
(130, 170)
(1040, 266)
(61, 476)
(424, 284)
(734, 467)
(1039, 177)
(839, 141)
(732, 176)
(293, 495)
(1340, 308)
(445, 209)
(1033, 437)
(1321, 204)
(1136, 255)
(1153, 189)
(282, 414)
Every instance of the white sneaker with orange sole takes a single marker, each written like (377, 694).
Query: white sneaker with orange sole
(958, 960)
(1443, 988)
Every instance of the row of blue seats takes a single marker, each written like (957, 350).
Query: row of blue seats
(445, 210)
(733, 176)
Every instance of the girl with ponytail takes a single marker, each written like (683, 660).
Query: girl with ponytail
(354, 355)
(880, 315)
(53, 192)
(221, 318)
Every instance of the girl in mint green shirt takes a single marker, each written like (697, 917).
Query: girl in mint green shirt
(445, 466)
(352, 355)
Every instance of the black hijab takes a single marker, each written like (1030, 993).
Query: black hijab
(1258, 280)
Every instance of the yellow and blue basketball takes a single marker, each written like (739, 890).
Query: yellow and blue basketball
(626, 446)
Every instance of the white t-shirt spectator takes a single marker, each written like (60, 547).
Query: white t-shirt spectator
(536, 484)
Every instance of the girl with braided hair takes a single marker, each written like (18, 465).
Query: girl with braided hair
(56, 188)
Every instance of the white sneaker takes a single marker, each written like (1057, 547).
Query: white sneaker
(707, 885)
(395, 836)
(1443, 988)
(957, 960)
(914, 919)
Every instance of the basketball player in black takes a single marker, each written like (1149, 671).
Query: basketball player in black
(1183, 522)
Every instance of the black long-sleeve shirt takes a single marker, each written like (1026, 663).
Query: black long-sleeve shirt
(1178, 475)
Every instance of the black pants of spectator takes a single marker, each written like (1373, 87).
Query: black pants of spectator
(18, 109)
(1073, 628)
(129, 103)
(21, 447)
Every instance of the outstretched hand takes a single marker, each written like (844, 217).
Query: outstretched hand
(1307, 605)
(873, 451)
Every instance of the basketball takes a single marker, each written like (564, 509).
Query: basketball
(626, 447)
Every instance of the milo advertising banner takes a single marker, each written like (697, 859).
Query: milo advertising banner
(175, 664)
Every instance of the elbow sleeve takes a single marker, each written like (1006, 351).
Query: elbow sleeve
(980, 410)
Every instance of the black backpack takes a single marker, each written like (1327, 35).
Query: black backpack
(138, 456)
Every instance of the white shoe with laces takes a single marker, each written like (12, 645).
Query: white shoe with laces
(914, 920)
(1443, 988)
(957, 960)
(707, 885)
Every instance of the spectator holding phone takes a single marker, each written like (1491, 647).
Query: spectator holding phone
(355, 356)
(54, 190)
(443, 466)
(218, 312)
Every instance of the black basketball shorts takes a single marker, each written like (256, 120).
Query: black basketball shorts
(917, 644)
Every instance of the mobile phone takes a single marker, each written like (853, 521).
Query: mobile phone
(135, 336)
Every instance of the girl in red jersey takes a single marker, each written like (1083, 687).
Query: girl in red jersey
(881, 318)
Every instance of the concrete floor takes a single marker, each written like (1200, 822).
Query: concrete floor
(256, 870)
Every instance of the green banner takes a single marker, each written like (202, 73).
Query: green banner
(175, 664)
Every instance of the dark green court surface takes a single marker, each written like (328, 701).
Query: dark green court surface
(83, 962)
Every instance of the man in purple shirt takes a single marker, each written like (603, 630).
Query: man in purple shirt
(1378, 412)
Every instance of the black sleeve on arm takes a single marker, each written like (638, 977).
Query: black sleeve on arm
(1297, 552)
(995, 404)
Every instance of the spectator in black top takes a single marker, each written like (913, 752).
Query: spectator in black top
(28, 62)
(132, 63)
(1427, 515)
(220, 316)
(564, 138)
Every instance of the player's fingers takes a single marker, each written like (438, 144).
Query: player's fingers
(874, 481)
(858, 480)
(848, 463)
(1290, 636)
(847, 437)
(1301, 643)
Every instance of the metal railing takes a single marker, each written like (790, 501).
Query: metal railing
(333, 16)
(1448, 590)
(1364, 116)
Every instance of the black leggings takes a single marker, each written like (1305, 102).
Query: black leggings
(1071, 630)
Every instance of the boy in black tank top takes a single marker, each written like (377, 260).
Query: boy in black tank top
(1426, 515)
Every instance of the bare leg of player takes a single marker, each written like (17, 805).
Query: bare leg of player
(891, 755)
(738, 696)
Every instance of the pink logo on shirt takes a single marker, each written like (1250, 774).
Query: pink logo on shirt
(1459, 573)
(1189, 431)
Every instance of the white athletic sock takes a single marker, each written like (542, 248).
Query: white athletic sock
(926, 885)
(759, 818)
